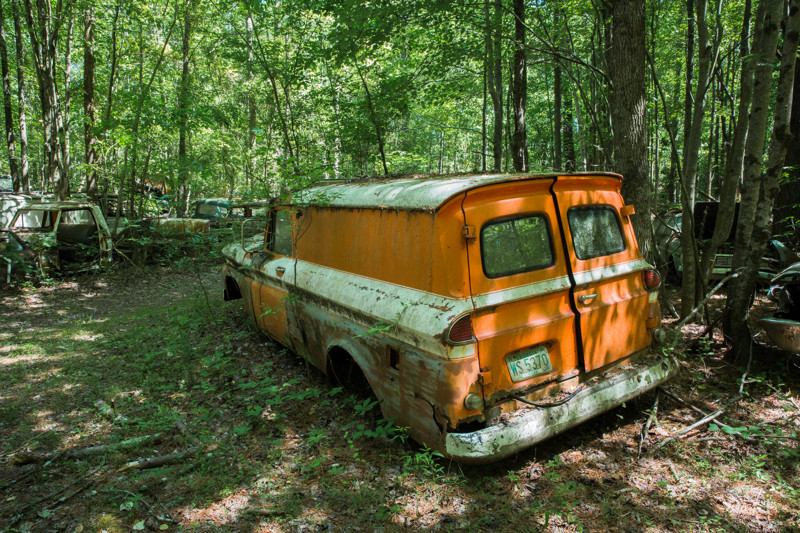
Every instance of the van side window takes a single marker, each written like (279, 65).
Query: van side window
(516, 245)
(281, 233)
(596, 231)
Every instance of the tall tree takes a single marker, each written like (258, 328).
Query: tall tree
(8, 111)
(23, 129)
(44, 25)
(519, 147)
(761, 187)
(89, 139)
(628, 120)
(183, 112)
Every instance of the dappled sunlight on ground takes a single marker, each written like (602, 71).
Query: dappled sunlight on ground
(271, 447)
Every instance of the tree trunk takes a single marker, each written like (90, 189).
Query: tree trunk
(251, 110)
(628, 63)
(183, 113)
(89, 139)
(732, 175)
(519, 149)
(24, 178)
(497, 99)
(557, 122)
(45, 53)
(755, 221)
(64, 124)
(693, 281)
(375, 121)
(112, 75)
(9, 113)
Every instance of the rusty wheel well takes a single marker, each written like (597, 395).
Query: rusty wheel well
(343, 371)
(232, 291)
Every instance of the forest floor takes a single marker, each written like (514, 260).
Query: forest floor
(138, 400)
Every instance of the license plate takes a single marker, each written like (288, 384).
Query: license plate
(529, 363)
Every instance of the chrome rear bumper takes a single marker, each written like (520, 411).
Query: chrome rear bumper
(525, 427)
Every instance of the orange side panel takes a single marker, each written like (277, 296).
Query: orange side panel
(269, 304)
(354, 240)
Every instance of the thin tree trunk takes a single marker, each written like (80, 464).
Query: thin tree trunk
(89, 139)
(557, 123)
(183, 113)
(112, 75)
(693, 281)
(9, 113)
(45, 53)
(249, 173)
(374, 119)
(24, 177)
(519, 149)
(732, 175)
(64, 129)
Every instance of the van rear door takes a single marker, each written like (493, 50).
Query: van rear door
(523, 320)
(609, 295)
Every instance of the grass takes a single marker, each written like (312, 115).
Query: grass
(277, 448)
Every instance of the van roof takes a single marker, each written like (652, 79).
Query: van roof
(413, 193)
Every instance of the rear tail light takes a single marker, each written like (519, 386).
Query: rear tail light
(460, 331)
(652, 279)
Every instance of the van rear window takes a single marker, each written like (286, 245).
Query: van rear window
(516, 245)
(595, 231)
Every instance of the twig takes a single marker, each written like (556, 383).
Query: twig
(646, 427)
(700, 306)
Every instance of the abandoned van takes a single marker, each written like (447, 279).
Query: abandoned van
(486, 313)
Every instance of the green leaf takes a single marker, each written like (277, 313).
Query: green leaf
(139, 526)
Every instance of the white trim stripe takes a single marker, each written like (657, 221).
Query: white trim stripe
(606, 272)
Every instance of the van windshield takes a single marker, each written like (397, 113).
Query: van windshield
(516, 245)
(595, 231)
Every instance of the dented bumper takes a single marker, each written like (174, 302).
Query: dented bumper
(520, 429)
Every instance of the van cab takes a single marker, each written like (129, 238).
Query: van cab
(486, 313)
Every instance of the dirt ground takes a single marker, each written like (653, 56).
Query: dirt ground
(138, 400)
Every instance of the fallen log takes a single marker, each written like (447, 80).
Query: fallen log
(22, 458)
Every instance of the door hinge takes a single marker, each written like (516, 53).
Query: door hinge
(485, 377)
(469, 232)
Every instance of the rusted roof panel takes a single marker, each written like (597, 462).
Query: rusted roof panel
(413, 193)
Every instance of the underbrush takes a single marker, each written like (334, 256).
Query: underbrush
(144, 402)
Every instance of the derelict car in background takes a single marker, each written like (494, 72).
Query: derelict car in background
(668, 233)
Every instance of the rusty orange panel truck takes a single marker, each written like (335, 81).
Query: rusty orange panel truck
(486, 313)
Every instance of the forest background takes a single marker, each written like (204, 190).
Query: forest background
(689, 100)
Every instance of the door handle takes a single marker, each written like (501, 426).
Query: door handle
(587, 298)
(280, 270)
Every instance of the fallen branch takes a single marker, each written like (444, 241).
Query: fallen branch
(23, 458)
(61, 500)
(703, 421)
(162, 460)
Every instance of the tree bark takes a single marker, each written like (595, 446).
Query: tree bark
(89, 139)
(63, 134)
(628, 64)
(519, 149)
(24, 177)
(9, 113)
(760, 190)
(732, 175)
(183, 113)
(693, 281)
(45, 54)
